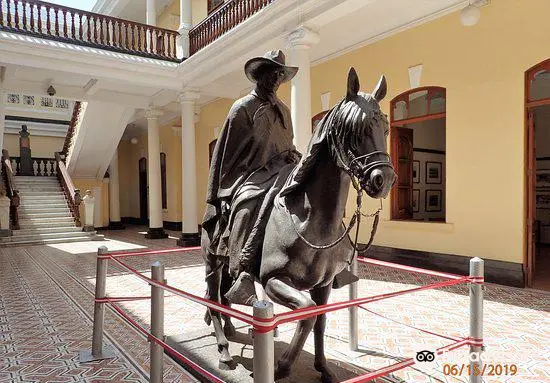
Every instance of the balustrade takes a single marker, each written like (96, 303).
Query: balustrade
(222, 20)
(42, 167)
(56, 22)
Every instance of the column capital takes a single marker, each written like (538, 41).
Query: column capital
(153, 113)
(302, 38)
(188, 96)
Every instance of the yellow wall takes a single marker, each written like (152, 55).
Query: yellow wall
(41, 146)
(85, 184)
(482, 68)
(129, 156)
(169, 18)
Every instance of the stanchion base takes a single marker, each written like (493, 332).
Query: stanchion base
(106, 353)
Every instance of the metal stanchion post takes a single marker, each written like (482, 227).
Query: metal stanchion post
(264, 358)
(157, 323)
(353, 321)
(98, 352)
(476, 319)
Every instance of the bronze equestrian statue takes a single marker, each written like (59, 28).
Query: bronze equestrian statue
(297, 207)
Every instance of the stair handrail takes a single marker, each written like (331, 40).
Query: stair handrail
(11, 192)
(71, 193)
(72, 129)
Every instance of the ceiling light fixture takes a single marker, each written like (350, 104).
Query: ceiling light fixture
(470, 15)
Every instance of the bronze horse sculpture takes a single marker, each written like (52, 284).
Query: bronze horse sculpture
(349, 145)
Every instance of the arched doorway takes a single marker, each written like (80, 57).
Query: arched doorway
(143, 204)
(537, 166)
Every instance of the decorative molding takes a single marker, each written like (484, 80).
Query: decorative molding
(153, 113)
(302, 37)
(37, 128)
(415, 76)
(325, 101)
(188, 96)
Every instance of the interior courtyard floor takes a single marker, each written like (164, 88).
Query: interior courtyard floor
(46, 310)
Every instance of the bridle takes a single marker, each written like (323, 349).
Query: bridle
(357, 167)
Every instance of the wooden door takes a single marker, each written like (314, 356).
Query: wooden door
(143, 206)
(531, 202)
(402, 157)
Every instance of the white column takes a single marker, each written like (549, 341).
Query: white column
(190, 234)
(114, 195)
(299, 42)
(151, 13)
(186, 23)
(153, 171)
(2, 119)
(96, 193)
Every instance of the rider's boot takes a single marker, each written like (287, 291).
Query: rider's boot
(243, 291)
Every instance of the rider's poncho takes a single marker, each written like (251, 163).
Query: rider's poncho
(252, 148)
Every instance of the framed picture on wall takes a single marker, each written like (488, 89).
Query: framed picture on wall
(543, 199)
(416, 201)
(543, 178)
(433, 201)
(416, 172)
(433, 172)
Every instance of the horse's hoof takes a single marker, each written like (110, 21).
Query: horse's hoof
(226, 362)
(282, 371)
(229, 329)
(326, 375)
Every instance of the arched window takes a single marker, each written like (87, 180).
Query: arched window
(163, 180)
(418, 153)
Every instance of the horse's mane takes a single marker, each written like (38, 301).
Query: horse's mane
(350, 122)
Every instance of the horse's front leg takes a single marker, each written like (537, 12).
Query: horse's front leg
(281, 292)
(320, 297)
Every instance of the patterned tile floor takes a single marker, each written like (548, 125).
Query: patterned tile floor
(517, 321)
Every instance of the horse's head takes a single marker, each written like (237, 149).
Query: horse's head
(358, 138)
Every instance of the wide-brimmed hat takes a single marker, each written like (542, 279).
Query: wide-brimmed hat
(272, 58)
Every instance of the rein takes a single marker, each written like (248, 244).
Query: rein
(356, 164)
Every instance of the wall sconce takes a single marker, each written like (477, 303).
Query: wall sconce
(134, 140)
(470, 15)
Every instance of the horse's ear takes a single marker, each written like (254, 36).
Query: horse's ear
(353, 84)
(381, 89)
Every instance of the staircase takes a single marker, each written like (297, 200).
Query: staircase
(44, 216)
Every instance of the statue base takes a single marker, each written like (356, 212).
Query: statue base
(156, 233)
(200, 346)
(115, 225)
(189, 240)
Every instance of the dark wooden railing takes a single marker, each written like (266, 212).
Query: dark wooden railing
(42, 167)
(223, 20)
(9, 186)
(71, 194)
(72, 128)
(56, 22)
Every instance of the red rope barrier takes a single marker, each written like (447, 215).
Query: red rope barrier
(180, 356)
(408, 268)
(265, 325)
(120, 299)
(409, 326)
(147, 252)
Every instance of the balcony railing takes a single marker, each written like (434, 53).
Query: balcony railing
(56, 22)
(223, 20)
(41, 167)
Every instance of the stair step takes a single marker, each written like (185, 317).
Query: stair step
(46, 229)
(9, 243)
(53, 208)
(31, 216)
(48, 223)
(24, 236)
(43, 203)
(41, 194)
